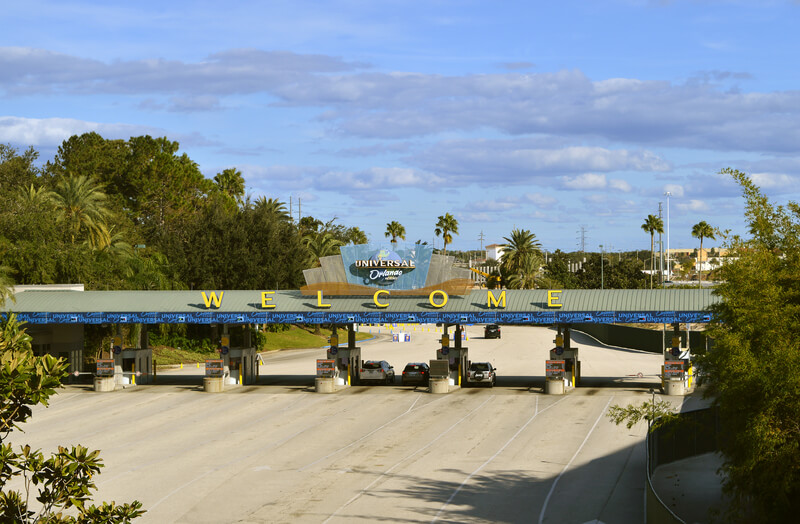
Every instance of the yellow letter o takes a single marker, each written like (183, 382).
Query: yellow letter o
(440, 292)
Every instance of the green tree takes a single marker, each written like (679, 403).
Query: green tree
(63, 481)
(701, 230)
(446, 227)
(322, 244)
(6, 284)
(230, 183)
(273, 207)
(753, 368)
(395, 230)
(652, 224)
(522, 257)
(82, 207)
(557, 272)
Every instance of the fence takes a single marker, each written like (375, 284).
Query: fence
(693, 433)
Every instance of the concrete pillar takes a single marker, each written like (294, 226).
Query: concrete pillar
(104, 384)
(213, 384)
(324, 385)
(554, 387)
(440, 385)
(674, 387)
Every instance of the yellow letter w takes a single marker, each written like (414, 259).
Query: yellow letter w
(212, 298)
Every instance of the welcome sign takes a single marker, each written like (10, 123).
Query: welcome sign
(387, 267)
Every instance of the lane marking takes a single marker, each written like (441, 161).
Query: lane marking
(409, 410)
(490, 459)
(405, 459)
(555, 482)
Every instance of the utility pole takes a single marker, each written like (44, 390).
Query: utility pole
(660, 249)
(481, 237)
(300, 213)
(669, 265)
(291, 213)
(582, 239)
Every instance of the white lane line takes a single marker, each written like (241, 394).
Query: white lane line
(329, 455)
(490, 459)
(405, 459)
(553, 487)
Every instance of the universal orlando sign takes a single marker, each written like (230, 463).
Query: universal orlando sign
(437, 298)
(385, 270)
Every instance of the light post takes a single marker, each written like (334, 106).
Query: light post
(669, 266)
(652, 408)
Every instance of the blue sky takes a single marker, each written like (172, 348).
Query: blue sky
(547, 116)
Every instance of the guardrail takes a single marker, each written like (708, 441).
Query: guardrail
(693, 433)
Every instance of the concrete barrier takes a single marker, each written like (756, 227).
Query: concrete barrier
(554, 387)
(440, 385)
(213, 385)
(674, 387)
(324, 385)
(104, 384)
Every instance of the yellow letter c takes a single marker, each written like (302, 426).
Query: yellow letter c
(375, 298)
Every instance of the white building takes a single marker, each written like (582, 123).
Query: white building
(494, 252)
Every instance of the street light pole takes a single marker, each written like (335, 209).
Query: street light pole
(669, 266)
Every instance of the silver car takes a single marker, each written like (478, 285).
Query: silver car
(481, 373)
(377, 371)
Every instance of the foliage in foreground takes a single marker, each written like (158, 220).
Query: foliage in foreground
(658, 413)
(753, 368)
(62, 481)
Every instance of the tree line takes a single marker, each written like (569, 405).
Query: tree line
(139, 214)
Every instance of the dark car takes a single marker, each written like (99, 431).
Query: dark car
(416, 373)
(491, 331)
(481, 373)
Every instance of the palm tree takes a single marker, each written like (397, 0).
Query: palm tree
(395, 230)
(446, 227)
(701, 230)
(231, 182)
(82, 205)
(521, 257)
(321, 244)
(272, 206)
(652, 224)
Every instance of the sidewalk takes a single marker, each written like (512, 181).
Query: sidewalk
(690, 487)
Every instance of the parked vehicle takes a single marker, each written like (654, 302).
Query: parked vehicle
(377, 371)
(416, 373)
(481, 373)
(491, 331)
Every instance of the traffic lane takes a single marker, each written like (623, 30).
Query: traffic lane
(505, 472)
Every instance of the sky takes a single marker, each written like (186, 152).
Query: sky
(555, 117)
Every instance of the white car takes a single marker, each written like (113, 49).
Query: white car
(482, 373)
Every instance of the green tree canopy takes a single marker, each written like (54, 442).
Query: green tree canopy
(753, 368)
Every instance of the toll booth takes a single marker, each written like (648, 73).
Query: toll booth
(554, 377)
(240, 365)
(456, 356)
(564, 351)
(677, 371)
(347, 358)
(64, 341)
(133, 366)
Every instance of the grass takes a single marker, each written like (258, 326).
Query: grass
(296, 337)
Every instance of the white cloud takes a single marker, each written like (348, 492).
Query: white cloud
(540, 199)
(586, 181)
(675, 189)
(693, 205)
(774, 180)
(620, 185)
(50, 132)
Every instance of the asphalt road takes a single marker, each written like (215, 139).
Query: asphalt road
(278, 452)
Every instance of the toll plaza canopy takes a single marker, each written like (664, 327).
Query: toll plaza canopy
(537, 306)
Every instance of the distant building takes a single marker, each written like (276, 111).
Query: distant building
(494, 252)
